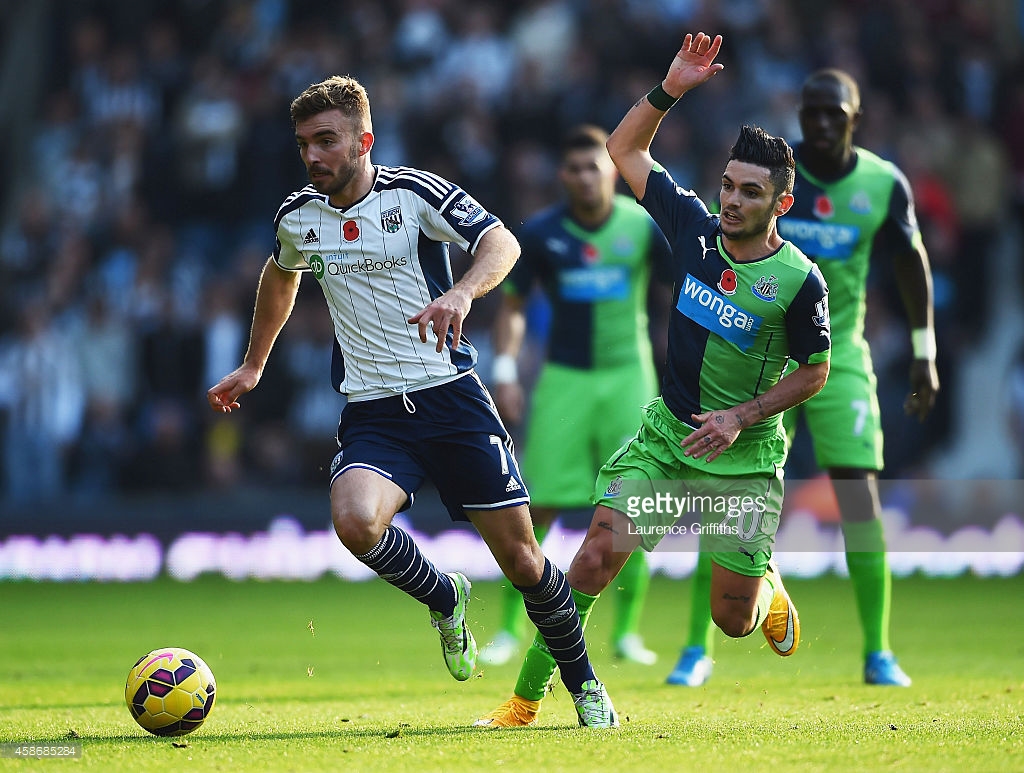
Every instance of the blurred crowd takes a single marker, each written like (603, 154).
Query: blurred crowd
(161, 148)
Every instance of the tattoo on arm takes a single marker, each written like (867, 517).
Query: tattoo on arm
(719, 419)
(760, 413)
(606, 525)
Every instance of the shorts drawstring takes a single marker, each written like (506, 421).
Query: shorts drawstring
(410, 406)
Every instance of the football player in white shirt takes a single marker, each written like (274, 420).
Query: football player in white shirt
(376, 238)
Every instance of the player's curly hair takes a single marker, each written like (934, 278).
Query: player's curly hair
(756, 146)
(339, 92)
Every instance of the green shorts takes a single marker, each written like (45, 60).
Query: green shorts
(577, 419)
(844, 418)
(734, 501)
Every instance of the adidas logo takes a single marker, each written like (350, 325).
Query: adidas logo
(513, 485)
(310, 237)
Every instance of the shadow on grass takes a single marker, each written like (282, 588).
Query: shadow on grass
(380, 732)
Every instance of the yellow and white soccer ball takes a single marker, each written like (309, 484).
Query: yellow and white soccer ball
(170, 691)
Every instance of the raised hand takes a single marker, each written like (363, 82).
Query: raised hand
(693, 64)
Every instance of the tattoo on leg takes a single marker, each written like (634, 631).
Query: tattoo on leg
(730, 597)
(606, 525)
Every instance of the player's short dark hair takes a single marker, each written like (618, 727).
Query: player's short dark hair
(835, 75)
(756, 146)
(339, 92)
(583, 137)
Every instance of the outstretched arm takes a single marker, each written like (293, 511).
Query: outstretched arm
(497, 252)
(275, 299)
(630, 144)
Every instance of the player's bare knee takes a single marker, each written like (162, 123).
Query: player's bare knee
(358, 531)
(524, 565)
(733, 623)
(591, 570)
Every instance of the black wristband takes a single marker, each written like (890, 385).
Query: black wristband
(660, 99)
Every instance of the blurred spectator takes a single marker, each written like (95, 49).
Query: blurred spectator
(248, 33)
(479, 62)
(543, 33)
(78, 199)
(87, 43)
(167, 426)
(210, 125)
(26, 243)
(981, 188)
(107, 353)
(1015, 381)
(420, 36)
(120, 93)
(43, 399)
(165, 64)
(1011, 131)
(57, 137)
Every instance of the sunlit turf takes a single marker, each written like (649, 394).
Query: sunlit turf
(333, 675)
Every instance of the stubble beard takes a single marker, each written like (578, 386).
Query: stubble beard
(747, 230)
(341, 176)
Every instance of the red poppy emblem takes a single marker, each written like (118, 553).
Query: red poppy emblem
(350, 230)
(590, 253)
(823, 207)
(727, 284)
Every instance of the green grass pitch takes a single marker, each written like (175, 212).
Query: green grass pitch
(340, 676)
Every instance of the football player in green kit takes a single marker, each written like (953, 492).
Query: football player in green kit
(746, 302)
(594, 256)
(850, 206)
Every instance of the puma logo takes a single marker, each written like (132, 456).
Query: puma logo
(704, 246)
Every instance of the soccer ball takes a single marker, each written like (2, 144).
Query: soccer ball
(170, 691)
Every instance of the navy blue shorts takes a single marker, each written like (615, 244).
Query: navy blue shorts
(454, 438)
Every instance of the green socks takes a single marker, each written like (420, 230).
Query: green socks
(630, 588)
(538, 666)
(871, 579)
(765, 595)
(702, 631)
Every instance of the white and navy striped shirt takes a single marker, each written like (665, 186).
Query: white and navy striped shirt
(379, 262)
